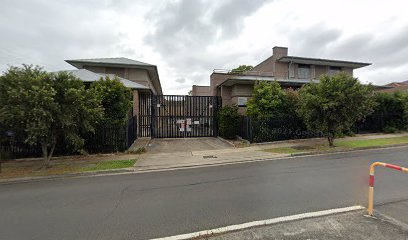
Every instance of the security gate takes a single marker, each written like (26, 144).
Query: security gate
(179, 116)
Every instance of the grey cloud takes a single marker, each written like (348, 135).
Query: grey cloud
(194, 25)
(383, 51)
(47, 32)
(184, 29)
(230, 15)
(180, 80)
(313, 41)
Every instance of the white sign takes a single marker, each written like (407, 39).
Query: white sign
(158, 105)
(242, 101)
(196, 122)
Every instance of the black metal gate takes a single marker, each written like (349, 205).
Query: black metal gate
(178, 116)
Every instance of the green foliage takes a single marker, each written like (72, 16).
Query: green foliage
(267, 100)
(290, 102)
(228, 121)
(116, 99)
(44, 108)
(241, 69)
(393, 109)
(334, 104)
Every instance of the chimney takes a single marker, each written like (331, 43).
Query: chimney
(278, 52)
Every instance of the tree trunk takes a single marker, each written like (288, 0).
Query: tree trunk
(330, 138)
(46, 162)
(47, 155)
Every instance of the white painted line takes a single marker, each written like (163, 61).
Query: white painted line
(261, 223)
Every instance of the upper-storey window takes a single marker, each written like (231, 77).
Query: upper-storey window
(303, 71)
(333, 70)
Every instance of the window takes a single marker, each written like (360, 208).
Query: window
(303, 71)
(333, 70)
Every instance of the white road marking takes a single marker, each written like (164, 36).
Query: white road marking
(261, 223)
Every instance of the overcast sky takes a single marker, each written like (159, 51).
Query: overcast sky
(187, 39)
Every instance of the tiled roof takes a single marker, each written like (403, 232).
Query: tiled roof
(88, 76)
(119, 61)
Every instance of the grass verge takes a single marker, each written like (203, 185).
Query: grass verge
(341, 145)
(372, 142)
(109, 165)
(14, 169)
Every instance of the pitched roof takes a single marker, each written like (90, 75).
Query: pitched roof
(88, 76)
(110, 61)
(121, 62)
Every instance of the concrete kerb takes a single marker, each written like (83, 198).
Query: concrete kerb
(232, 228)
(68, 175)
(134, 170)
(226, 141)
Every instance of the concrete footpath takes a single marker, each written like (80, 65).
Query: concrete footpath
(339, 223)
(201, 158)
(179, 153)
(351, 225)
(390, 221)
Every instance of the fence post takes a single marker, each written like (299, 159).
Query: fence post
(250, 130)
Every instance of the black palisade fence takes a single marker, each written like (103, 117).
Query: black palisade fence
(289, 127)
(275, 129)
(106, 139)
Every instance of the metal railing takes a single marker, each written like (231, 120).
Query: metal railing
(250, 72)
(371, 182)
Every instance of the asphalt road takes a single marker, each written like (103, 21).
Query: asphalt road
(147, 205)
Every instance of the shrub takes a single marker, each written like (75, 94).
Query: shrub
(392, 109)
(228, 121)
(267, 100)
(116, 99)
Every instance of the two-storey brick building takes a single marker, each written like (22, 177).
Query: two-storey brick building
(288, 71)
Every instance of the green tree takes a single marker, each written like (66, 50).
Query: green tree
(228, 121)
(334, 104)
(116, 99)
(241, 69)
(267, 100)
(45, 108)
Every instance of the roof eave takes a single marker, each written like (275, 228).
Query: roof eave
(80, 64)
(324, 62)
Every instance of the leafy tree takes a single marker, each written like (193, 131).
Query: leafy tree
(116, 99)
(47, 107)
(267, 100)
(228, 121)
(241, 69)
(334, 104)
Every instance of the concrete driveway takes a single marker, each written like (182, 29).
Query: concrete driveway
(177, 145)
